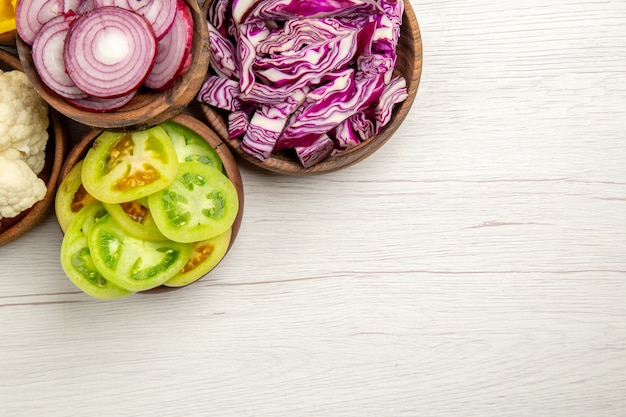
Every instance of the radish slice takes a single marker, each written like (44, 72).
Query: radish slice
(48, 58)
(101, 105)
(109, 51)
(173, 51)
(160, 14)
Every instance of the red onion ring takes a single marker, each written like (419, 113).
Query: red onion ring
(101, 105)
(31, 15)
(173, 51)
(47, 55)
(109, 51)
(160, 14)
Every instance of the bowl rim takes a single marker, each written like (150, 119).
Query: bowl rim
(32, 217)
(148, 108)
(288, 165)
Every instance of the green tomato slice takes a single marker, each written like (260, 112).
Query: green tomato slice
(71, 197)
(76, 259)
(205, 256)
(131, 263)
(190, 146)
(123, 166)
(135, 218)
(200, 204)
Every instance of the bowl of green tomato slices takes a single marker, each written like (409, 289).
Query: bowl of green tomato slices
(147, 210)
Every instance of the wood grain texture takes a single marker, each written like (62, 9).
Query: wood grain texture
(474, 266)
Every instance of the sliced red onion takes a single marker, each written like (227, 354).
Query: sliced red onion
(160, 14)
(118, 3)
(109, 51)
(101, 105)
(31, 15)
(173, 51)
(85, 5)
(47, 52)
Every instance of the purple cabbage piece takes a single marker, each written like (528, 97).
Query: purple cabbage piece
(267, 124)
(313, 154)
(266, 95)
(219, 15)
(295, 33)
(395, 92)
(382, 56)
(388, 32)
(221, 93)
(344, 136)
(224, 59)
(328, 106)
(242, 8)
(363, 125)
(238, 122)
(249, 36)
(259, 142)
(299, 9)
(308, 64)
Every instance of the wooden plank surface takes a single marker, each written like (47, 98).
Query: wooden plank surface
(474, 266)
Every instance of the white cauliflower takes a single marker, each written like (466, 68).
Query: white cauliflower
(20, 187)
(23, 139)
(23, 119)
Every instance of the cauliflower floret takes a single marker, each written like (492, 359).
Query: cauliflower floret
(36, 162)
(20, 188)
(23, 119)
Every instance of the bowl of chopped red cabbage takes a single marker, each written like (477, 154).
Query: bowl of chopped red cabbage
(304, 87)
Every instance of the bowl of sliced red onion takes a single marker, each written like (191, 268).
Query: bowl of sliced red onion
(307, 87)
(114, 64)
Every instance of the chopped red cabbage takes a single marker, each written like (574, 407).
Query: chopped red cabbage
(238, 122)
(313, 76)
(316, 152)
(221, 93)
(224, 59)
(299, 9)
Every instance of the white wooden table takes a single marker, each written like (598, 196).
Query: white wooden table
(474, 266)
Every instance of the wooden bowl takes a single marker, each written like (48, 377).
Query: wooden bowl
(231, 168)
(13, 228)
(409, 64)
(8, 38)
(148, 108)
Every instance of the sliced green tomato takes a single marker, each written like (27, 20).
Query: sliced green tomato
(71, 197)
(131, 263)
(190, 146)
(200, 204)
(76, 258)
(123, 167)
(205, 256)
(135, 218)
